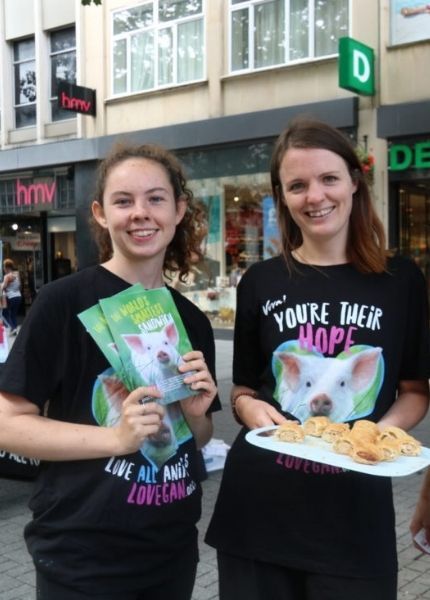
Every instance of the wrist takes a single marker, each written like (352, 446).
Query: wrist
(237, 400)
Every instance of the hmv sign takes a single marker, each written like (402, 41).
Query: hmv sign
(41, 195)
(77, 98)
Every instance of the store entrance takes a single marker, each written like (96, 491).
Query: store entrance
(414, 222)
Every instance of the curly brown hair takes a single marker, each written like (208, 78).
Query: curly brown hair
(366, 248)
(186, 242)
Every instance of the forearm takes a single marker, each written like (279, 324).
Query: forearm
(409, 408)
(47, 439)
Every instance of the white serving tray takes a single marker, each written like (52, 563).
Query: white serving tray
(316, 449)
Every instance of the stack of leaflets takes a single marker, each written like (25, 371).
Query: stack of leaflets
(141, 334)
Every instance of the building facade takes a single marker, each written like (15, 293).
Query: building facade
(215, 81)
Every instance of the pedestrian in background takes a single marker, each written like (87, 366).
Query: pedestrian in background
(92, 534)
(11, 288)
(290, 529)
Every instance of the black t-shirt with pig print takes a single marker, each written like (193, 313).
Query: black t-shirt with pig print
(328, 341)
(118, 523)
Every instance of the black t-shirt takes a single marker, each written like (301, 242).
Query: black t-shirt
(341, 341)
(116, 523)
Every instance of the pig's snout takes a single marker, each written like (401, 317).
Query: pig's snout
(162, 438)
(163, 356)
(321, 405)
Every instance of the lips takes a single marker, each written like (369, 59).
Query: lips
(318, 214)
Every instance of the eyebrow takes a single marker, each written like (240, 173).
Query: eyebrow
(150, 191)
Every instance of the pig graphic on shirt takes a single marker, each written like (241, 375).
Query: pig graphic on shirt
(158, 447)
(312, 384)
(154, 354)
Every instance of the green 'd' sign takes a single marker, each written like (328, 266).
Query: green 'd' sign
(402, 156)
(356, 67)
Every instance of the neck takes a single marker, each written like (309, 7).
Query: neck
(321, 256)
(143, 272)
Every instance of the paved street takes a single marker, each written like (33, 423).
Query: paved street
(16, 572)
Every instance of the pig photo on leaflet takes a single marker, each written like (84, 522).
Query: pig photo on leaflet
(155, 357)
(342, 388)
(108, 395)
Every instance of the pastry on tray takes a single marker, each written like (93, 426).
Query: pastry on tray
(290, 431)
(390, 449)
(333, 431)
(316, 425)
(366, 453)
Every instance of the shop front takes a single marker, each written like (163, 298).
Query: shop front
(406, 127)
(38, 227)
(409, 182)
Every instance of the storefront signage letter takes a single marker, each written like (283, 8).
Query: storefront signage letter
(402, 156)
(356, 67)
(35, 193)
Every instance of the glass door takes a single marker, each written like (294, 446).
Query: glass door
(415, 224)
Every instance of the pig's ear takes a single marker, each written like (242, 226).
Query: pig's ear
(364, 368)
(134, 342)
(172, 333)
(292, 368)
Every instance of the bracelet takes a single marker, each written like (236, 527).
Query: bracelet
(235, 399)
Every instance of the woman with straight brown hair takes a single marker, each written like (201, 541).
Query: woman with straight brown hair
(335, 329)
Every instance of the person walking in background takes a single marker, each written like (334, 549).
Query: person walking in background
(108, 522)
(420, 523)
(293, 529)
(11, 288)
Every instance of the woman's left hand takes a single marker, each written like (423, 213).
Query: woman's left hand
(199, 378)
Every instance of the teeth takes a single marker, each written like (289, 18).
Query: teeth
(320, 213)
(143, 234)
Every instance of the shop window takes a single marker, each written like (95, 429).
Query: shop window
(267, 33)
(24, 64)
(156, 44)
(63, 67)
(415, 224)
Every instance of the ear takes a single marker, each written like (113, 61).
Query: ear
(181, 207)
(99, 214)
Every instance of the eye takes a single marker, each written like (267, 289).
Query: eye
(156, 199)
(308, 384)
(296, 186)
(342, 383)
(330, 179)
(122, 201)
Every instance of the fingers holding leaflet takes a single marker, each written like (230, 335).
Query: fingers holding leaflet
(139, 420)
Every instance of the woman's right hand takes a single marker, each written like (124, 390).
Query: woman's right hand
(257, 413)
(139, 420)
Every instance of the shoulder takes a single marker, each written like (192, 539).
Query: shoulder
(404, 268)
(70, 283)
(73, 293)
(262, 275)
(265, 269)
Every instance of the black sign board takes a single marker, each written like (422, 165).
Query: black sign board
(76, 98)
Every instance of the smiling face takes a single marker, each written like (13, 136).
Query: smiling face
(139, 210)
(317, 190)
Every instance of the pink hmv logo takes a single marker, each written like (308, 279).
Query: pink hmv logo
(35, 193)
(74, 104)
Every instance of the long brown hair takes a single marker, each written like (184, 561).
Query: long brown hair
(366, 237)
(185, 244)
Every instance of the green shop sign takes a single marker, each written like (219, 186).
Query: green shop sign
(402, 156)
(356, 67)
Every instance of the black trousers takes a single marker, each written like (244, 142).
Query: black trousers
(243, 579)
(179, 587)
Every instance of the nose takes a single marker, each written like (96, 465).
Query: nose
(315, 191)
(141, 209)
